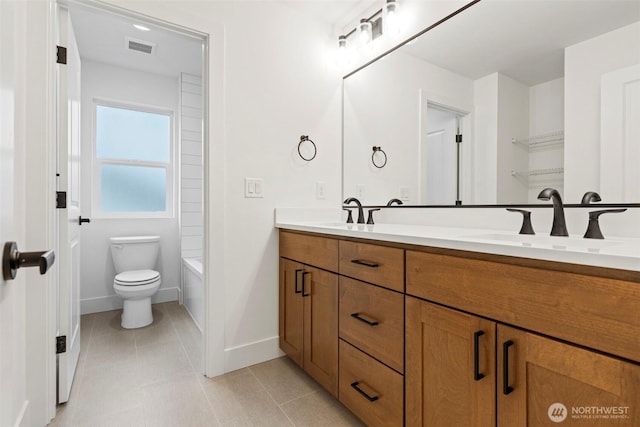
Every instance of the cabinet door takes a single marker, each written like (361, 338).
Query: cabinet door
(543, 382)
(450, 368)
(291, 309)
(320, 295)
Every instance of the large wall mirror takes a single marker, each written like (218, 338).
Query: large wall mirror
(541, 93)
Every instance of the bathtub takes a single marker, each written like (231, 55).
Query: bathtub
(193, 289)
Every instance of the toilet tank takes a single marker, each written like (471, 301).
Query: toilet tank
(135, 252)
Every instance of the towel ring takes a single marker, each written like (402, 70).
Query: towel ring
(304, 138)
(379, 164)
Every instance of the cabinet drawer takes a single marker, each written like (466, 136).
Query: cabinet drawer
(374, 264)
(370, 389)
(592, 311)
(372, 319)
(320, 252)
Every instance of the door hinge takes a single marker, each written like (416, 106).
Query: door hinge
(458, 139)
(61, 344)
(61, 199)
(61, 54)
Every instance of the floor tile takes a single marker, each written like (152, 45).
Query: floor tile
(283, 379)
(159, 362)
(319, 409)
(240, 399)
(178, 402)
(109, 349)
(152, 377)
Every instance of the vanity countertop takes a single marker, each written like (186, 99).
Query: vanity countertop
(618, 253)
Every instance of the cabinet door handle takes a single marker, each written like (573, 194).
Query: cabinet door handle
(476, 355)
(304, 282)
(297, 291)
(506, 388)
(362, 319)
(365, 263)
(362, 392)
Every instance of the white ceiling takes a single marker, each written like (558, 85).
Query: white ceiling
(101, 37)
(522, 39)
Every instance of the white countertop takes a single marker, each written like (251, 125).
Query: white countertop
(619, 253)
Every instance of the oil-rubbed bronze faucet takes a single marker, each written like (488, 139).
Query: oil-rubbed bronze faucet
(360, 211)
(559, 227)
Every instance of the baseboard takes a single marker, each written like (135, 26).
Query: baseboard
(249, 354)
(114, 302)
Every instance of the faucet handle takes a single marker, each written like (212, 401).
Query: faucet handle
(593, 229)
(590, 196)
(526, 228)
(349, 216)
(370, 218)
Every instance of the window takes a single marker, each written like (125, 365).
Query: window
(133, 162)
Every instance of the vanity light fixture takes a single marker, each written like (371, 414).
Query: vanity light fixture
(371, 28)
(141, 27)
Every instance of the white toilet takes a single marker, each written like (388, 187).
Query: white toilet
(136, 281)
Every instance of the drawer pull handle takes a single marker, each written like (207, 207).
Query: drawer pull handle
(476, 355)
(365, 263)
(304, 282)
(362, 392)
(362, 319)
(297, 272)
(506, 388)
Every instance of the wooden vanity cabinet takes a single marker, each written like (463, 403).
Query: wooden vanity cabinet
(371, 306)
(308, 323)
(444, 352)
(535, 372)
(423, 337)
(450, 372)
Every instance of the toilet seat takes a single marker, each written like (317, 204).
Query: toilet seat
(136, 277)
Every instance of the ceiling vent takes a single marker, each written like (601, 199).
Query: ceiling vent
(140, 45)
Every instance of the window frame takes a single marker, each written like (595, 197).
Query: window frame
(96, 193)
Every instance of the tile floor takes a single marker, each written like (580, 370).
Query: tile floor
(152, 377)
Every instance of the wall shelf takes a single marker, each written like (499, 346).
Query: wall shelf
(542, 140)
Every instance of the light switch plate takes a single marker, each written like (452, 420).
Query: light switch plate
(253, 187)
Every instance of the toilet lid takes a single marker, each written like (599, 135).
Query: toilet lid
(137, 277)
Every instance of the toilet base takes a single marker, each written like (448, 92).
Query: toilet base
(136, 313)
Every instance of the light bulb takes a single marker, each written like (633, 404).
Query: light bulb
(365, 31)
(392, 25)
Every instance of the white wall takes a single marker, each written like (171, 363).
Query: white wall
(513, 122)
(107, 82)
(585, 63)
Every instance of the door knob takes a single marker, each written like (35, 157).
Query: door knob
(12, 260)
(81, 220)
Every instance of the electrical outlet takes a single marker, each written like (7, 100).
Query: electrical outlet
(320, 191)
(253, 187)
(404, 194)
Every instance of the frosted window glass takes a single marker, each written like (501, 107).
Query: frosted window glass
(132, 135)
(133, 188)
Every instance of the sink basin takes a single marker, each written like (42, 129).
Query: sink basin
(553, 242)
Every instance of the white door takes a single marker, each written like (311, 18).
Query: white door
(439, 158)
(13, 391)
(620, 135)
(68, 169)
